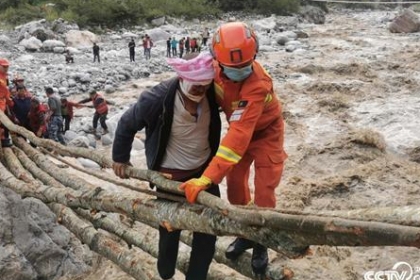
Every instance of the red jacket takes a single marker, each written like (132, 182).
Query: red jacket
(145, 41)
(67, 110)
(251, 107)
(99, 103)
(5, 98)
(37, 118)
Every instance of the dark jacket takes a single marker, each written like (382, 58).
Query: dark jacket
(95, 49)
(21, 109)
(154, 111)
(131, 46)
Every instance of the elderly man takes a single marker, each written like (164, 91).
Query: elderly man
(182, 126)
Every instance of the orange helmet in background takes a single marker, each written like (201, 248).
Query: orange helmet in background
(4, 62)
(234, 44)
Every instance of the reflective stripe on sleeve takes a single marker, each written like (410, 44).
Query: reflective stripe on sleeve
(228, 154)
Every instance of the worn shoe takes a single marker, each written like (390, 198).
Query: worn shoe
(6, 143)
(259, 261)
(238, 247)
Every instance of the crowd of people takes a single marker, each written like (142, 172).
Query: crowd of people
(182, 123)
(46, 120)
(174, 47)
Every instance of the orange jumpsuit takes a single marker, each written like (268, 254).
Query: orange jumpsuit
(4, 100)
(4, 93)
(256, 134)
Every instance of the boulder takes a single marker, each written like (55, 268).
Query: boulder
(32, 244)
(157, 34)
(291, 46)
(109, 89)
(80, 141)
(31, 44)
(264, 24)
(126, 35)
(282, 40)
(158, 21)
(312, 14)
(87, 163)
(407, 22)
(36, 29)
(4, 39)
(49, 45)
(61, 26)
(81, 39)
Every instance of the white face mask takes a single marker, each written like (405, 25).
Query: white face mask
(186, 88)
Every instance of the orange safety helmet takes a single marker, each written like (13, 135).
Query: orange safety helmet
(234, 44)
(4, 62)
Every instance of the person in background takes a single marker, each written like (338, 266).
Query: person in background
(181, 44)
(168, 47)
(54, 117)
(174, 44)
(182, 125)
(255, 135)
(69, 57)
(199, 42)
(67, 111)
(193, 45)
(132, 49)
(187, 45)
(101, 110)
(96, 56)
(21, 107)
(17, 81)
(205, 36)
(37, 117)
(5, 101)
(147, 45)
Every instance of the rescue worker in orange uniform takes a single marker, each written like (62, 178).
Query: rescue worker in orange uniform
(5, 101)
(244, 90)
(101, 110)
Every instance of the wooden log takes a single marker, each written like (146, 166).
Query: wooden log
(315, 230)
(35, 170)
(15, 167)
(131, 236)
(179, 215)
(125, 258)
(241, 215)
(128, 234)
(50, 144)
(404, 215)
(50, 168)
(103, 222)
(117, 181)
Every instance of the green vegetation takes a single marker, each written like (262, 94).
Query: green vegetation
(112, 13)
(280, 7)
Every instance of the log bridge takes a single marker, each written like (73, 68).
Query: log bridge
(84, 208)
